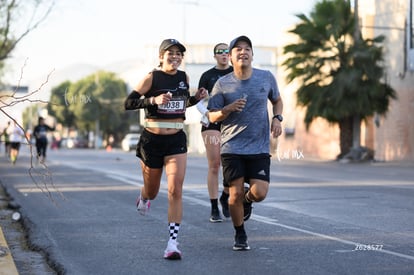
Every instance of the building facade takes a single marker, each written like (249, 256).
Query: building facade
(393, 136)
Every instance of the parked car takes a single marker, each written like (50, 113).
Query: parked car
(129, 142)
(76, 142)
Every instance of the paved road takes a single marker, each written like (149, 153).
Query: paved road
(318, 218)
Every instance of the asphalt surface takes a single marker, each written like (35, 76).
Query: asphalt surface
(320, 217)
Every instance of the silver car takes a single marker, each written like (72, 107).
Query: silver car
(130, 141)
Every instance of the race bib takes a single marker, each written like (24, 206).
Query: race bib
(175, 106)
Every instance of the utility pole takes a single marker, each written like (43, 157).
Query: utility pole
(97, 123)
(186, 3)
(356, 133)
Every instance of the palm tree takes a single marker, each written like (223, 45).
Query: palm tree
(340, 72)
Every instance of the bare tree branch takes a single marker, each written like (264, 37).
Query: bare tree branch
(8, 44)
(40, 174)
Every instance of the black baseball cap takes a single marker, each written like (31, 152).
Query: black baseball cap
(167, 43)
(238, 39)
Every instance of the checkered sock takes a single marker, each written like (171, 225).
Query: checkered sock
(173, 227)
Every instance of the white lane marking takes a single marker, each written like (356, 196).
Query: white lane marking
(137, 181)
(324, 236)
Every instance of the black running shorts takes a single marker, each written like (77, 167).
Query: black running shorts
(15, 145)
(152, 148)
(247, 166)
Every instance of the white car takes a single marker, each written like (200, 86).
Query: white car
(130, 142)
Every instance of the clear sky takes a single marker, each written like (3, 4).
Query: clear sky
(100, 32)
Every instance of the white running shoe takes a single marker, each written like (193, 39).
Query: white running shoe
(143, 206)
(172, 252)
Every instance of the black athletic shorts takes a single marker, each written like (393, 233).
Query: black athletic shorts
(247, 166)
(152, 148)
(211, 126)
(15, 145)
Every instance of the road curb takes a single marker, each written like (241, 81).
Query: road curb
(7, 266)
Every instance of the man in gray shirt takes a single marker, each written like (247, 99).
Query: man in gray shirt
(239, 100)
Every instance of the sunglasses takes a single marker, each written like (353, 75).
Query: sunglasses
(221, 51)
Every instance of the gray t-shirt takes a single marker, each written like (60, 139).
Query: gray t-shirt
(245, 132)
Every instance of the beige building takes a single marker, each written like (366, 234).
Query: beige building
(391, 137)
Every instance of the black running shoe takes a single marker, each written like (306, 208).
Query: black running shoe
(247, 206)
(240, 243)
(225, 206)
(215, 216)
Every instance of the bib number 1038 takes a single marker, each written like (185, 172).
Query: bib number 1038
(174, 106)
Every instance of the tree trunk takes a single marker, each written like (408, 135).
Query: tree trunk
(356, 140)
(345, 136)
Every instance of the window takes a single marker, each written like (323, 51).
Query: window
(411, 24)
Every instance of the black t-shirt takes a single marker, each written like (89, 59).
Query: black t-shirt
(40, 131)
(209, 78)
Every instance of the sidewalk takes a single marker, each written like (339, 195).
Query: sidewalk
(16, 255)
(7, 265)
